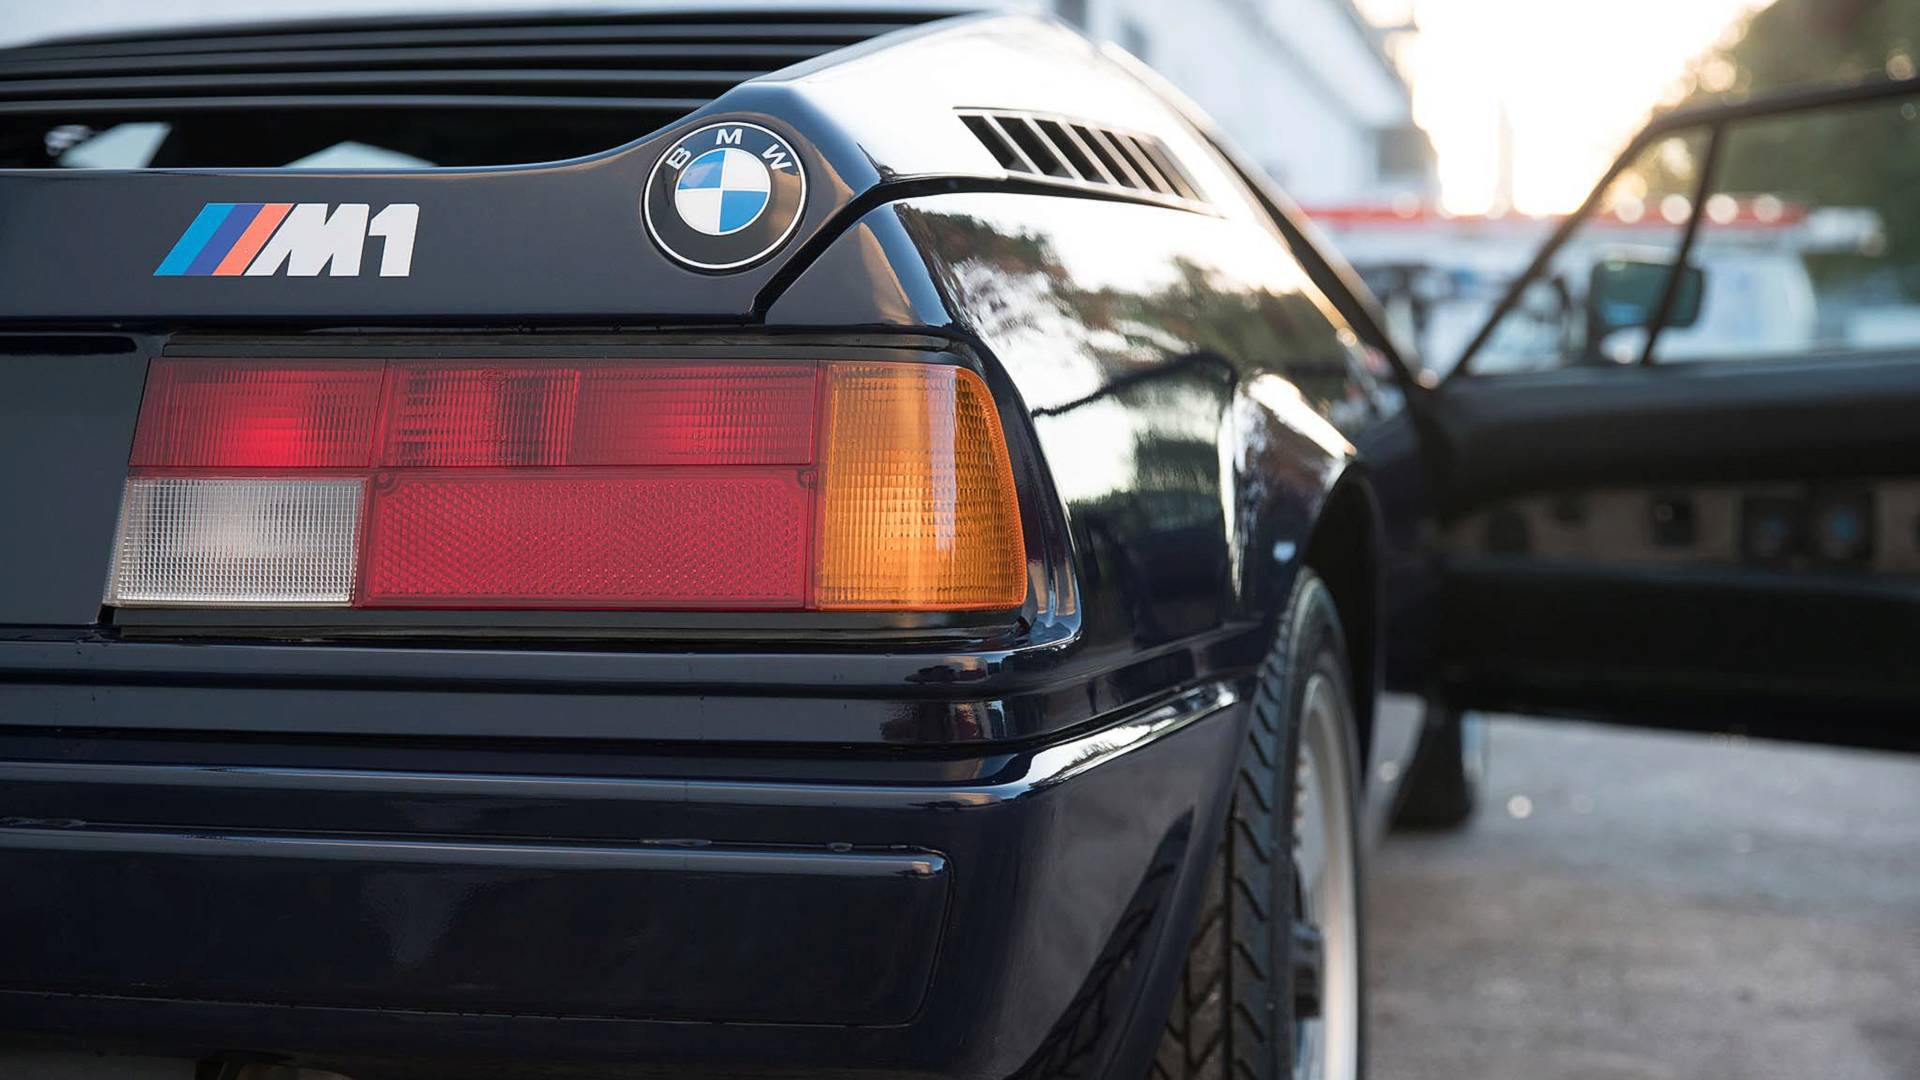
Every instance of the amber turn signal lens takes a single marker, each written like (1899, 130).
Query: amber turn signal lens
(917, 510)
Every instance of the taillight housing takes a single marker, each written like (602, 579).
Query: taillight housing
(571, 485)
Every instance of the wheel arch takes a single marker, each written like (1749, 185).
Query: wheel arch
(1343, 547)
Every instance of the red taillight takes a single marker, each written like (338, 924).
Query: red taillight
(246, 415)
(597, 484)
(601, 414)
(660, 538)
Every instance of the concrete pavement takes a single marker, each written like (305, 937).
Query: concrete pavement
(1632, 906)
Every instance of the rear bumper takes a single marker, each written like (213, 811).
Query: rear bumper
(618, 931)
(610, 907)
(917, 696)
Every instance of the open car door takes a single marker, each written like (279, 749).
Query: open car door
(1678, 479)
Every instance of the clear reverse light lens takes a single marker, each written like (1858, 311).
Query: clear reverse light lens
(235, 542)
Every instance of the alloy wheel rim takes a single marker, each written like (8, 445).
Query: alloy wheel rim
(1326, 888)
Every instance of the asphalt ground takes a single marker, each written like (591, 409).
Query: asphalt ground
(1638, 906)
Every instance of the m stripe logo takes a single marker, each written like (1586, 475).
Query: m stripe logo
(258, 239)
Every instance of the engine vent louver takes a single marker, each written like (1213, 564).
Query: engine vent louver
(1064, 149)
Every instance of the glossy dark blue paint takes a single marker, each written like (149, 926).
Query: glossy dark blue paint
(1065, 864)
(561, 242)
(968, 852)
(662, 930)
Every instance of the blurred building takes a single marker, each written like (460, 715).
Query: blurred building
(1305, 87)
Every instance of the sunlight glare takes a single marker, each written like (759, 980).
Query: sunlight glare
(1575, 79)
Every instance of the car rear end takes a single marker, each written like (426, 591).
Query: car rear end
(446, 631)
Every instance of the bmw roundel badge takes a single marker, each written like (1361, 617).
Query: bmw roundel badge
(725, 196)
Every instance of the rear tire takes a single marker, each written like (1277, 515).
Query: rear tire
(1289, 858)
(1442, 786)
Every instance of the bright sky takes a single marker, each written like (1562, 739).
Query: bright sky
(1577, 79)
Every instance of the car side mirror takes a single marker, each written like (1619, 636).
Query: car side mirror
(1624, 294)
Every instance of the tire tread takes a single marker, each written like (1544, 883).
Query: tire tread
(1228, 1021)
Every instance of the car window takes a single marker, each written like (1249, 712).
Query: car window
(1809, 243)
(122, 146)
(345, 138)
(1631, 235)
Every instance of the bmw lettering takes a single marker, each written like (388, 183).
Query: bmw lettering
(725, 196)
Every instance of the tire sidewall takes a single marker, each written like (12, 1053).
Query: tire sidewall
(1312, 641)
(1233, 1014)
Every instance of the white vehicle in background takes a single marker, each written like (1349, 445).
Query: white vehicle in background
(1756, 300)
(1439, 276)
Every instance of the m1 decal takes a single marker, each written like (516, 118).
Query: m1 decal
(262, 239)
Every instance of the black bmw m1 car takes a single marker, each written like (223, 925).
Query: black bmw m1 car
(790, 543)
